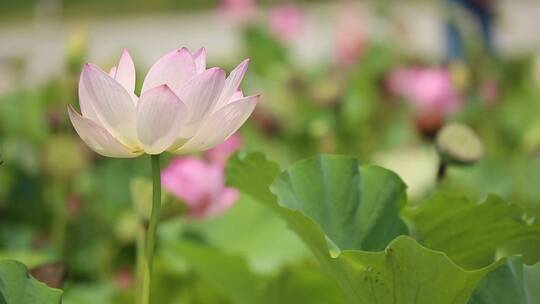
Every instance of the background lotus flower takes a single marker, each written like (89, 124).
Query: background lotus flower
(183, 106)
(287, 21)
(428, 89)
(200, 184)
(222, 152)
(238, 11)
(351, 39)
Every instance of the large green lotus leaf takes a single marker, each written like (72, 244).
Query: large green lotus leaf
(470, 233)
(18, 287)
(513, 282)
(357, 207)
(404, 270)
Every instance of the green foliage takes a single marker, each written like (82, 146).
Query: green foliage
(228, 274)
(513, 282)
(470, 233)
(18, 287)
(232, 277)
(356, 207)
(267, 249)
(404, 270)
(264, 49)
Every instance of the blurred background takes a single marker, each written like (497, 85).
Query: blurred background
(374, 79)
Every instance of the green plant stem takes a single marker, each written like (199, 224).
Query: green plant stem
(140, 268)
(59, 218)
(152, 229)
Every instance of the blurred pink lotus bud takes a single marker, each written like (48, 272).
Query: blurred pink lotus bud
(287, 21)
(489, 90)
(200, 184)
(350, 36)
(238, 11)
(222, 152)
(124, 278)
(428, 89)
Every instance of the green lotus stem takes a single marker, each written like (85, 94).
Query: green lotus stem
(140, 268)
(59, 220)
(152, 229)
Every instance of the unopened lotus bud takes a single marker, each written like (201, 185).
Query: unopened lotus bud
(327, 92)
(141, 195)
(457, 144)
(126, 228)
(428, 124)
(64, 157)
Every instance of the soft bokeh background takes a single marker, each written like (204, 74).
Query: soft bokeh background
(374, 79)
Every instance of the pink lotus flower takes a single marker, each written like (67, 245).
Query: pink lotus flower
(238, 11)
(350, 36)
(220, 153)
(428, 89)
(287, 21)
(183, 108)
(200, 184)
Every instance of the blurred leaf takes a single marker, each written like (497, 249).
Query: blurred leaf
(513, 282)
(141, 196)
(64, 157)
(263, 49)
(231, 275)
(103, 293)
(303, 284)
(469, 233)
(365, 277)
(18, 287)
(228, 274)
(267, 248)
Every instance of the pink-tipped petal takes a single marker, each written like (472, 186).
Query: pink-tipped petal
(106, 102)
(174, 69)
(237, 95)
(232, 84)
(160, 116)
(98, 138)
(125, 72)
(202, 92)
(200, 60)
(216, 128)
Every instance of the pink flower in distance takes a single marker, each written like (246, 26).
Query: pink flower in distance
(428, 89)
(238, 11)
(200, 184)
(183, 108)
(222, 152)
(351, 39)
(287, 21)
